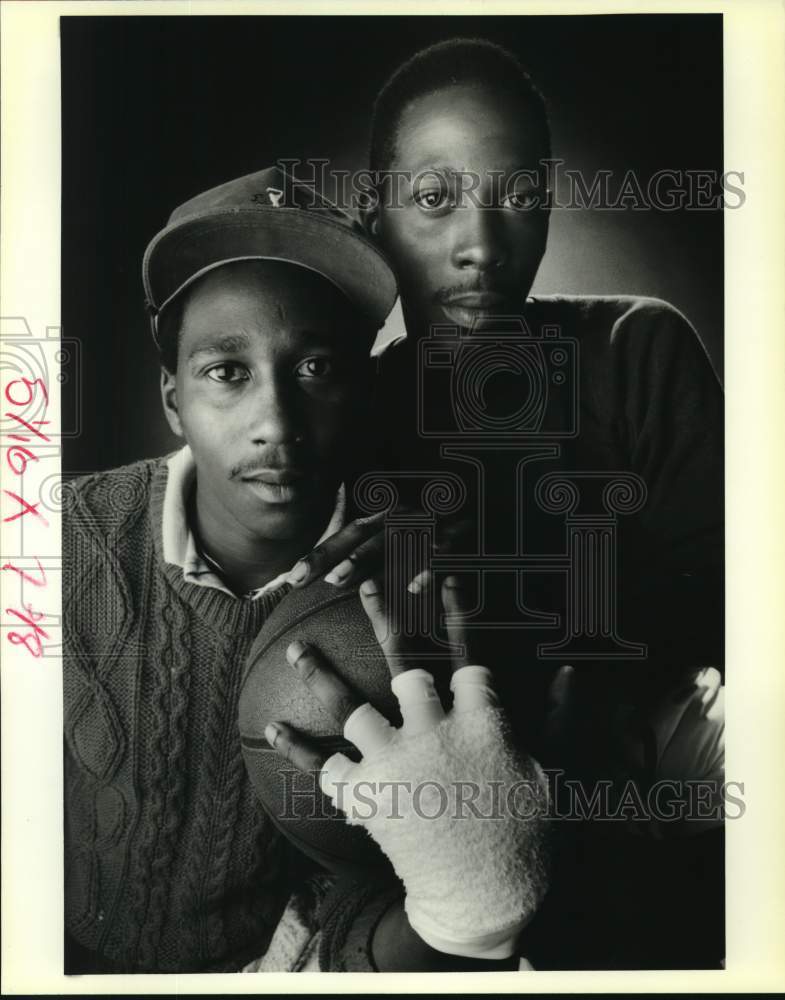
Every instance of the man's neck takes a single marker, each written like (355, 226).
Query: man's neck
(245, 562)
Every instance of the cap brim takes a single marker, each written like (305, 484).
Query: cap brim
(179, 255)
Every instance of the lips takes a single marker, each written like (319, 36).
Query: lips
(468, 308)
(277, 486)
(275, 477)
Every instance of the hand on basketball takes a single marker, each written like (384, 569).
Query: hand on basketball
(337, 697)
(442, 795)
(356, 553)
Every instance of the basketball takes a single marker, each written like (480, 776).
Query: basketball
(334, 622)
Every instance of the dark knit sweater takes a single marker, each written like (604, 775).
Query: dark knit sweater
(648, 404)
(170, 863)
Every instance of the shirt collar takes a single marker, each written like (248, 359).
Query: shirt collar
(393, 331)
(179, 544)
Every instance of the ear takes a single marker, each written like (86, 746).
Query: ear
(370, 218)
(169, 400)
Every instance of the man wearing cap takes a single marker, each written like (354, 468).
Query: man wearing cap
(264, 301)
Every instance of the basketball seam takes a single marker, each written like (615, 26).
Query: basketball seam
(291, 623)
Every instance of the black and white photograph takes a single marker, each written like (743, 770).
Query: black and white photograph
(384, 423)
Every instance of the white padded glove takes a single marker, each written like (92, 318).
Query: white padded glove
(460, 813)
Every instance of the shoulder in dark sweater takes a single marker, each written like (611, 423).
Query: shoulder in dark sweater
(607, 324)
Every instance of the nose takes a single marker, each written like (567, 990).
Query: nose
(479, 239)
(273, 413)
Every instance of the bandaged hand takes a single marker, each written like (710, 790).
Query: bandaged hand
(459, 811)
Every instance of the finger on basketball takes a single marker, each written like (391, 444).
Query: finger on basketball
(295, 747)
(364, 561)
(325, 685)
(384, 624)
(332, 552)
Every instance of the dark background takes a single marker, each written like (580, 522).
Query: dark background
(157, 109)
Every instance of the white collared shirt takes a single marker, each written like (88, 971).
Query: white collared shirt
(179, 544)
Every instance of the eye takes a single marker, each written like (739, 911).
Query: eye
(433, 196)
(521, 201)
(227, 372)
(430, 201)
(315, 368)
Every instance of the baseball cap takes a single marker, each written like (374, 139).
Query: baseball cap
(267, 215)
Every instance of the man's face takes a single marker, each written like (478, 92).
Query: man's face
(458, 261)
(270, 369)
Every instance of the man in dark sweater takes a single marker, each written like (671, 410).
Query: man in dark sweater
(458, 136)
(458, 141)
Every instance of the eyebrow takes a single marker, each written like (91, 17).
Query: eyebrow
(228, 344)
(236, 343)
(446, 168)
(437, 168)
